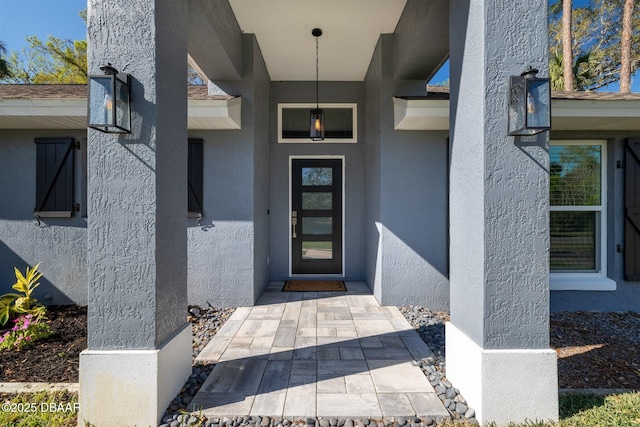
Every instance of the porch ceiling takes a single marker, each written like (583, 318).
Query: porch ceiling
(350, 32)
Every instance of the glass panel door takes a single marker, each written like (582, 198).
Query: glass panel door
(316, 216)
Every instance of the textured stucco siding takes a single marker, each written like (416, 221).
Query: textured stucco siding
(58, 244)
(499, 184)
(406, 194)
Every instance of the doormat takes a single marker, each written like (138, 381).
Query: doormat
(314, 286)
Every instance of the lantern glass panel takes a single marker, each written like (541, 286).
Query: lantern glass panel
(538, 97)
(316, 129)
(123, 117)
(516, 105)
(101, 101)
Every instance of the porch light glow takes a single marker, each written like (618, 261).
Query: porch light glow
(529, 104)
(316, 130)
(109, 101)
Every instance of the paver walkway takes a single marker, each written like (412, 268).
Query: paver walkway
(317, 354)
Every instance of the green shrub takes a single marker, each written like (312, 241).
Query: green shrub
(13, 305)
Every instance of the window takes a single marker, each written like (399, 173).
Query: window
(54, 177)
(195, 177)
(340, 122)
(577, 224)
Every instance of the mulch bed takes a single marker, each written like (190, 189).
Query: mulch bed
(54, 359)
(595, 350)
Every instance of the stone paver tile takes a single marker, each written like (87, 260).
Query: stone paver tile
(331, 384)
(235, 376)
(373, 309)
(325, 316)
(388, 353)
(223, 403)
(371, 342)
(326, 332)
(418, 349)
(361, 300)
(258, 328)
(275, 287)
(310, 296)
(240, 313)
(325, 302)
(240, 342)
(305, 348)
(264, 343)
(230, 328)
(360, 383)
(340, 302)
(259, 309)
(307, 353)
(214, 349)
(307, 318)
(328, 353)
(275, 377)
(402, 327)
(344, 314)
(392, 312)
(350, 405)
(264, 316)
(285, 337)
(305, 342)
(234, 353)
(358, 309)
(391, 340)
(306, 332)
(301, 397)
(347, 332)
(338, 342)
(427, 404)
(270, 403)
(342, 367)
(372, 328)
(303, 367)
(357, 288)
(291, 311)
(369, 316)
(281, 353)
(294, 297)
(395, 405)
(351, 353)
(336, 324)
(289, 323)
(277, 308)
(391, 376)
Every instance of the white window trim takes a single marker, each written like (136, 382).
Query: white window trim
(596, 281)
(352, 105)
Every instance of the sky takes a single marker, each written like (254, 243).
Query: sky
(60, 18)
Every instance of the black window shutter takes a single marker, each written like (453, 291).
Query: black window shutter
(54, 175)
(632, 210)
(195, 175)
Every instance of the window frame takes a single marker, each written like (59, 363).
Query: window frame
(326, 106)
(581, 280)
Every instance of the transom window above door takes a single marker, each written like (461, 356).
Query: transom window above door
(340, 123)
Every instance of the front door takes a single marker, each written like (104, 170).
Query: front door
(316, 216)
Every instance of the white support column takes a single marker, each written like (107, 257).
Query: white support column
(139, 343)
(498, 351)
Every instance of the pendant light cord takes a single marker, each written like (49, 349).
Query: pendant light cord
(317, 102)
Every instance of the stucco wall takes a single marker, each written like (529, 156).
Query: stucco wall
(59, 244)
(227, 252)
(627, 294)
(406, 194)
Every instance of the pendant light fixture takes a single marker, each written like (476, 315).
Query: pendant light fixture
(317, 114)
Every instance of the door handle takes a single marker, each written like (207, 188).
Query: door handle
(294, 222)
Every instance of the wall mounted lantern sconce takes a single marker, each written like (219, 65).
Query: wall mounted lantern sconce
(316, 130)
(529, 103)
(109, 101)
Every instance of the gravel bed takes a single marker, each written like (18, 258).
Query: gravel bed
(430, 326)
